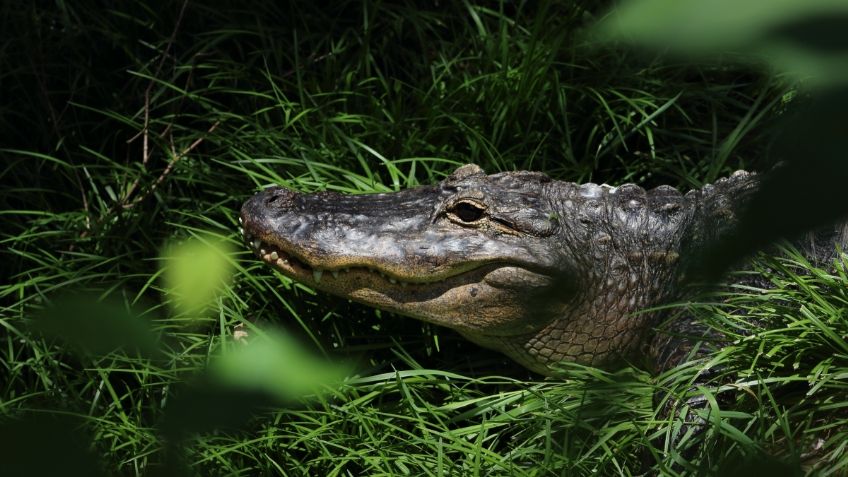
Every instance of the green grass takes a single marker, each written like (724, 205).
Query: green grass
(126, 129)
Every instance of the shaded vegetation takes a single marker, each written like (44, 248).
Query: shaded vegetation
(126, 128)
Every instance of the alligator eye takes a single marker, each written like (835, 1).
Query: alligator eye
(467, 211)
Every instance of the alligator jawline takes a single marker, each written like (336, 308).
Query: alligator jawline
(295, 267)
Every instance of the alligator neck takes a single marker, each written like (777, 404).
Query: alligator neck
(631, 249)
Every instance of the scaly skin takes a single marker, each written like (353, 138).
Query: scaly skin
(541, 270)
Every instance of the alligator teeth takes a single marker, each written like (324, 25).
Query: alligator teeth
(256, 243)
(274, 256)
(335, 273)
(316, 274)
(262, 251)
(241, 221)
(241, 230)
(282, 262)
(392, 280)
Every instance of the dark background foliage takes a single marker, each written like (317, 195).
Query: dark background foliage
(124, 126)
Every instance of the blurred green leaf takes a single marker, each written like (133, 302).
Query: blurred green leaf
(46, 445)
(92, 325)
(759, 464)
(265, 368)
(205, 405)
(275, 363)
(807, 191)
(195, 272)
(806, 38)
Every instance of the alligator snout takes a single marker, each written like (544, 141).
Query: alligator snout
(279, 197)
(268, 202)
(260, 212)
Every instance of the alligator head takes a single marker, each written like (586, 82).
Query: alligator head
(544, 271)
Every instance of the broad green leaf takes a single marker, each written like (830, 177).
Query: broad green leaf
(804, 38)
(195, 272)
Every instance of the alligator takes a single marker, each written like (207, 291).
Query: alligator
(542, 270)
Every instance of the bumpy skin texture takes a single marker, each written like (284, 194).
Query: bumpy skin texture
(541, 270)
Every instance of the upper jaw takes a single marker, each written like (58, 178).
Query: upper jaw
(281, 228)
(299, 267)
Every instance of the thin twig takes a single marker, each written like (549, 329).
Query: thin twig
(311, 60)
(174, 159)
(145, 130)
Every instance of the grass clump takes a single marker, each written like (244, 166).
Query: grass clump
(125, 129)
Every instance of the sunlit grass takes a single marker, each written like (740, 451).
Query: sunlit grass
(151, 143)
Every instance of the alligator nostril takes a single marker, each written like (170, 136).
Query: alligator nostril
(279, 197)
